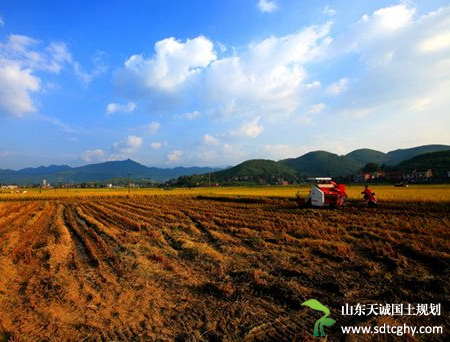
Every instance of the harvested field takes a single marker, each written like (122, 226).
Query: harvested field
(187, 268)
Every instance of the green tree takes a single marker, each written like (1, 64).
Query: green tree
(371, 167)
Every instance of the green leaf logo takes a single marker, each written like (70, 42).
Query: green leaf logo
(324, 321)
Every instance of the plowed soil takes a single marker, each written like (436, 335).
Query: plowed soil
(182, 268)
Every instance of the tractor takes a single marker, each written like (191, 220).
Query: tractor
(324, 193)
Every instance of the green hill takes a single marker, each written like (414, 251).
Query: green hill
(323, 164)
(439, 162)
(365, 155)
(256, 170)
(397, 156)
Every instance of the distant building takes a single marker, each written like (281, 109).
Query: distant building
(394, 176)
(44, 182)
(361, 177)
(422, 176)
(9, 187)
(281, 181)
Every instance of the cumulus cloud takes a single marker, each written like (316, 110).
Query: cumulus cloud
(156, 145)
(128, 145)
(329, 11)
(90, 156)
(16, 84)
(338, 87)
(174, 155)
(21, 57)
(267, 6)
(316, 108)
(152, 127)
(250, 128)
(210, 140)
(435, 43)
(267, 76)
(173, 64)
(389, 18)
(116, 107)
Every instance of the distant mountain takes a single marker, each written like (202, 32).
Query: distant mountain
(322, 163)
(365, 155)
(101, 172)
(43, 170)
(397, 156)
(105, 171)
(108, 171)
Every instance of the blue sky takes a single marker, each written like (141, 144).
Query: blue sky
(214, 83)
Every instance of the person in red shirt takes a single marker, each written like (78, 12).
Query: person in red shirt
(367, 192)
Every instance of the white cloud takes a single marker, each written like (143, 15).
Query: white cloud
(63, 127)
(250, 128)
(391, 18)
(128, 145)
(29, 53)
(90, 156)
(116, 107)
(329, 11)
(316, 108)
(421, 104)
(438, 42)
(268, 77)
(16, 84)
(174, 155)
(2, 23)
(313, 85)
(268, 6)
(210, 140)
(189, 115)
(264, 78)
(156, 145)
(173, 64)
(355, 113)
(403, 72)
(152, 127)
(338, 88)
(21, 57)
(98, 68)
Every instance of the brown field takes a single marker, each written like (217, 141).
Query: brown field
(185, 268)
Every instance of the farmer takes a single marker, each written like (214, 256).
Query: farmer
(367, 192)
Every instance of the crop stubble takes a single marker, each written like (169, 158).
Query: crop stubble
(176, 267)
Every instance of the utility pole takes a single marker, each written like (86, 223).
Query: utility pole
(129, 183)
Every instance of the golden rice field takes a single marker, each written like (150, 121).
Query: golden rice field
(434, 193)
(222, 264)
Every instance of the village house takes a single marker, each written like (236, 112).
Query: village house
(9, 187)
(395, 176)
